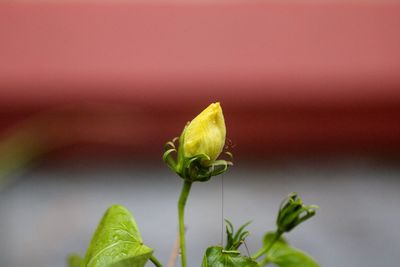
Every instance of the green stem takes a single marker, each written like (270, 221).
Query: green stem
(264, 250)
(181, 216)
(155, 261)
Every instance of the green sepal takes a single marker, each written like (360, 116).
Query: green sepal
(283, 255)
(219, 166)
(117, 241)
(169, 149)
(198, 168)
(218, 257)
(169, 160)
(194, 170)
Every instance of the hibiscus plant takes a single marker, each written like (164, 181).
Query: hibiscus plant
(194, 157)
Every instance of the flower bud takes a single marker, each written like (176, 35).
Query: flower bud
(200, 144)
(205, 134)
(293, 212)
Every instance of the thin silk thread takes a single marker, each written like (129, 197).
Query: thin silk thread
(222, 210)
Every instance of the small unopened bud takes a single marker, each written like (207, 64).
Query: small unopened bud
(293, 212)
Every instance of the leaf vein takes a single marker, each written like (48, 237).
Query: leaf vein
(107, 248)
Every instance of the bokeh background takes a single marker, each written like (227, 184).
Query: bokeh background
(91, 90)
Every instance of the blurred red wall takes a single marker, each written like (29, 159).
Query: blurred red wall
(292, 77)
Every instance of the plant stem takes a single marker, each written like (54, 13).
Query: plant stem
(155, 261)
(264, 250)
(181, 216)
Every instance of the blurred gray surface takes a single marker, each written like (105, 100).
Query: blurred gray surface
(50, 212)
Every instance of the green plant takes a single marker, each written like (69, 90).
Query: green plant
(194, 157)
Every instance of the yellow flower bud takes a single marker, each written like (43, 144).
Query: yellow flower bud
(205, 134)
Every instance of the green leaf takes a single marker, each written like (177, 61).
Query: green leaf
(137, 261)
(117, 242)
(217, 257)
(75, 260)
(283, 255)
